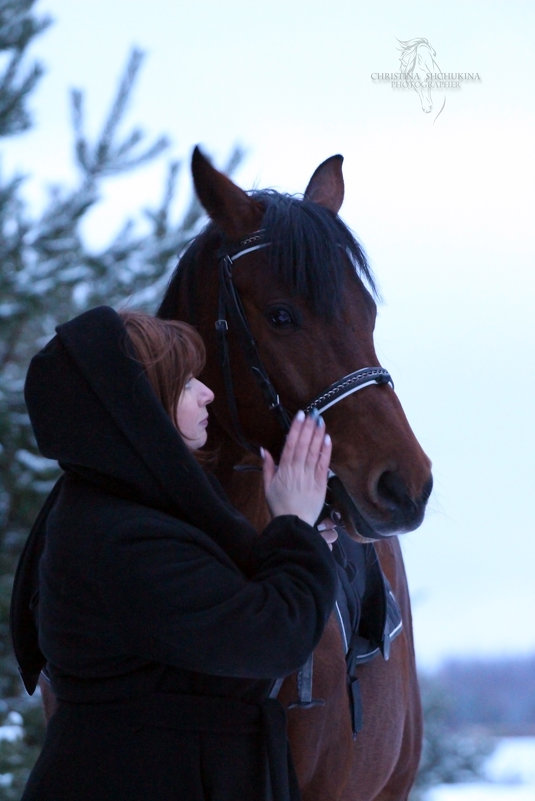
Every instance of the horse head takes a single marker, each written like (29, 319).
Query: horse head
(303, 319)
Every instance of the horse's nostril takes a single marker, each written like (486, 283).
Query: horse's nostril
(392, 494)
(392, 491)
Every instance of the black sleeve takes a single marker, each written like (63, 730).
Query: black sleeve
(181, 601)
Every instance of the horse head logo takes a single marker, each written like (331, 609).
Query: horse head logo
(418, 66)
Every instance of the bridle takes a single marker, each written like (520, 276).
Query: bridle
(232, 313)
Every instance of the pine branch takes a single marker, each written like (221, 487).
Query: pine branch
(17, 30)
(106, 157)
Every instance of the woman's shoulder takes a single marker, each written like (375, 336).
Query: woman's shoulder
(107, 516)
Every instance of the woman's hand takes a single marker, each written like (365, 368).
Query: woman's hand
(327, 529)
(298, 485)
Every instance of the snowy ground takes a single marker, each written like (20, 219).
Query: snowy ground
(510, 776)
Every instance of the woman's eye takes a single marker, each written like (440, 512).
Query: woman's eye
(281, 317)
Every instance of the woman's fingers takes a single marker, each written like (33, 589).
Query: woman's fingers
(299, 483)
(316, 444)
(324, 458)
(292, 439)
(327, 529)
(268, 467)
(304, 442)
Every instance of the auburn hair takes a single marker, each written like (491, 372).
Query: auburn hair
(170, 352)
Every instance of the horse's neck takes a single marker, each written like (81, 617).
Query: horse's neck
(391, 559)
(240, 473)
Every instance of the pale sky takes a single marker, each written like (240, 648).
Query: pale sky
(443, 207)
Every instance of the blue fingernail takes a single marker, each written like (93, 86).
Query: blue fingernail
(320, 421)
(300, 415)
(314, 414)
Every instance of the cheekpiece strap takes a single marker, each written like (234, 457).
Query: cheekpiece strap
(232, 313)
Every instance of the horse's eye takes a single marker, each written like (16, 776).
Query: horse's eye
(280, 317)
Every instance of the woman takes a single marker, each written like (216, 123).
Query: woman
(164, 617)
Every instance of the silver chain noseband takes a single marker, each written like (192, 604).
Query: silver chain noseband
(347, 385)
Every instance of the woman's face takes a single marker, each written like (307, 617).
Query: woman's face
(191, 413)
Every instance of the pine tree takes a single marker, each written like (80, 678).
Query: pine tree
(48, 273)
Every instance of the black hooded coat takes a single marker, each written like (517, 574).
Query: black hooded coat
(163, 616)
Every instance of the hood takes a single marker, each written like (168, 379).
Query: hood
(94, 411)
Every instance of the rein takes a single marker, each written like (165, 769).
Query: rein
(230, 309)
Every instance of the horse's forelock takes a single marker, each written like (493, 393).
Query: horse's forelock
(308, 250)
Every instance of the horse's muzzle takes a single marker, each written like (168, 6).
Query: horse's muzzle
(405, 514)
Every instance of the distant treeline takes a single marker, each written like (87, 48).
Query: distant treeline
(495, 695)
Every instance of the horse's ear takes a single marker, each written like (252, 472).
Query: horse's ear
(227, 205)
(326, 187)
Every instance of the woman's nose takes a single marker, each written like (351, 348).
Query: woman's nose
(206, 394)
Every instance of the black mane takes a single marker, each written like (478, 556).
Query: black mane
(308, 246)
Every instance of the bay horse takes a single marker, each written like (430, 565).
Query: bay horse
(283, 297)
